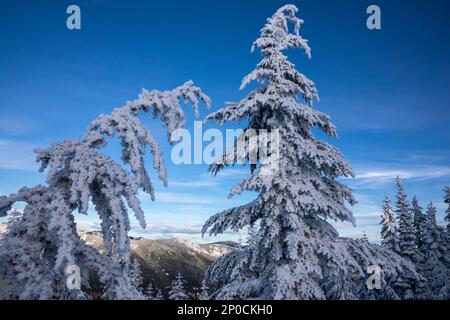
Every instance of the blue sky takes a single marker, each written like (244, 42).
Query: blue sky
(386, 90)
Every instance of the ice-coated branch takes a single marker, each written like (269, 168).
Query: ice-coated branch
(233, 219)
(37, 250)
(135, 137)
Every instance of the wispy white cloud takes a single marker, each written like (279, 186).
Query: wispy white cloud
(157, 230)
(378, 178)
(185, 198)
(419, 173)
(434, 157)
(202, 183)
(88, 225)
(168, 229)
(233, 172)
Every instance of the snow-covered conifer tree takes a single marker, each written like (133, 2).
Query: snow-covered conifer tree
(159, 295)
(447, 218)
(177, 291)
(435, 257)
(204, 294)
(150, 292)
(38, 250)
(303, 190)
(136, 275)
(447, 212)
(431, 214)
(418, 220)
(406, 232)
(389, 237)
(435, 237)
(365, 237)
(297, 253)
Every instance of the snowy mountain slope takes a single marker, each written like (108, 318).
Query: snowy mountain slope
(162, 259)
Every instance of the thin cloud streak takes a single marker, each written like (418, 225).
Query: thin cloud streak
(231, 173)
(180, 198)
(158, 230)
(153, 228)
(379, 178)
(194, 184)
(420, 173)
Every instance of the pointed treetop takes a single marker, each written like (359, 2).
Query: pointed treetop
(406, 231)
(365, 237)
(150, 292)
(399, 183)
(159, 295)
(402, 201)
(275, 68)
(417, 211)
(276, 35)
(447, 194)
(431, 213)
(389, 237)
(415, 203)
(387, 202)
(204, 295)
(388, 217)
(177, 291)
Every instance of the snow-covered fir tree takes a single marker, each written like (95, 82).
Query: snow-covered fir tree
(297, 253)
(418, 220)
(204, 291)
(365, 237)
(389, 237)
(447, 211)
(447, 219)
(406, 233)
(436, 237)
(159, 295)
(136, 275)
(177, 290)
(431, 214)
(38, 250)
(435, 257)
(150, 292)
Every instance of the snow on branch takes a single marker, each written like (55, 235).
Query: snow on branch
(44, 242)
(135, 137)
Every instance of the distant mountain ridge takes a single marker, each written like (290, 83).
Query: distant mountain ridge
(162, 259)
